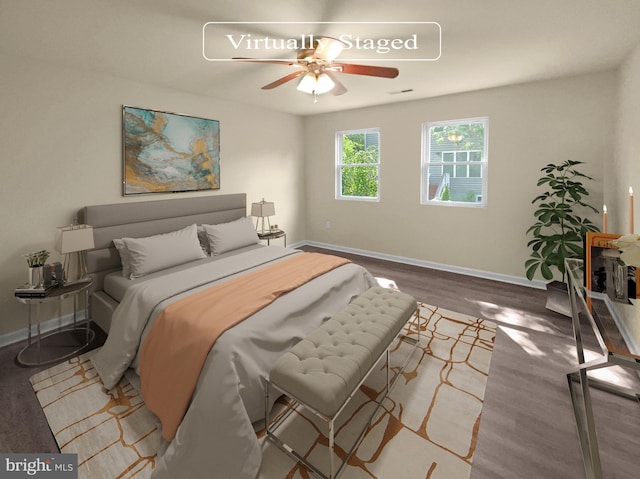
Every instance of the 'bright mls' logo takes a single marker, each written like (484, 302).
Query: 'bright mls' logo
(50, 466)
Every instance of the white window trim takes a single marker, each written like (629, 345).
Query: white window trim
(424, 173)
(339, 165)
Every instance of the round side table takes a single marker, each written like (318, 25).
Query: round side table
(80, 329)
(273, 234)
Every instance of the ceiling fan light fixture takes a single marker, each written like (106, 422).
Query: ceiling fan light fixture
(316, 84)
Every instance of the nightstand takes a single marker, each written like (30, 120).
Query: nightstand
(273, 234)
(78, 337)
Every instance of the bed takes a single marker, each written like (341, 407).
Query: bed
(215, 436)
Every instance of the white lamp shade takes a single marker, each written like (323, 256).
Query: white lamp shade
(263, 209)
(316, 84)
(70, 239)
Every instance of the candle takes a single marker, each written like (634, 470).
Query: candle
(605, 218)
(631, 210)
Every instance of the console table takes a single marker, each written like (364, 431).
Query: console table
(616, 326)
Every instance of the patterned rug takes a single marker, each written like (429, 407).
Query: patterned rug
(426, 429)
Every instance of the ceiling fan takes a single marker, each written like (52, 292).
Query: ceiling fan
(317, 68)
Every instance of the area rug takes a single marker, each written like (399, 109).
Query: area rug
(426, 429)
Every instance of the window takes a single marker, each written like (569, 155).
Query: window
(454, 162)
(357, 164)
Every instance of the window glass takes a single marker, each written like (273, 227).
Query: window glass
(454, 162)
(357, 164)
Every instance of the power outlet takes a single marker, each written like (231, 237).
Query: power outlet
(327, 225)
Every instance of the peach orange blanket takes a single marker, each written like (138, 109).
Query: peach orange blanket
(180, 339)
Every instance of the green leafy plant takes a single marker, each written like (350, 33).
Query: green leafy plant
(466, 136)
(446, 194)
(37, 258)
(559, 229)
(359, 180)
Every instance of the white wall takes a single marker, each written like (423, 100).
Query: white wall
(625, 165)
(61, 139)
(530, 125)
(61, 150)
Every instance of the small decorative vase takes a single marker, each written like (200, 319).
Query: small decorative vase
(35, 275)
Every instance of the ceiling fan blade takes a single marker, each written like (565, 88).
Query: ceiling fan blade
(339, 88)
(385, 72)
(257, 60)
(284, 79)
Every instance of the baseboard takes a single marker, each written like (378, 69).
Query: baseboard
(45, 327)
(504, 278)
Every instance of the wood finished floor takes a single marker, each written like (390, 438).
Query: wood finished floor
(527, 428)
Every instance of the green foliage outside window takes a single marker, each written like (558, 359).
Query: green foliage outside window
(359, 173)
(446, 194)
(466, 136)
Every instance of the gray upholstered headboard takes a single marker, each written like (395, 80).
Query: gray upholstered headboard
(145, 218)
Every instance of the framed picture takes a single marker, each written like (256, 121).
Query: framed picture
(605, 272)
(168, 152)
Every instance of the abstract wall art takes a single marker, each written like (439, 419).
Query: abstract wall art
(169, 152)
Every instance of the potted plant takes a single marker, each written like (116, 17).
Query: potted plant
(559, 228)
(35, 262)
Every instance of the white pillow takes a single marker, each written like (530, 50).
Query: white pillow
(233, 235)
(154, 253)
(125, 257)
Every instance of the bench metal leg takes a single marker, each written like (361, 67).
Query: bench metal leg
(388, 374)
(331, 447)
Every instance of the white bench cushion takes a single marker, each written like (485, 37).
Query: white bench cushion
(323, 369)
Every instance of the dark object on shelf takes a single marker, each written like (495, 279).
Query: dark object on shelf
(53, 273)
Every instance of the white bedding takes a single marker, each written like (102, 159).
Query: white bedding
(216, 437)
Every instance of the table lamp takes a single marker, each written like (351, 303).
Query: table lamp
(263, 210)
(72, 241)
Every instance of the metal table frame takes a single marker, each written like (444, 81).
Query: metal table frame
(581, 307)
(58, 294)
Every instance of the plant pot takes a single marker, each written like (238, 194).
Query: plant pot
(35, 275)
(558, 298)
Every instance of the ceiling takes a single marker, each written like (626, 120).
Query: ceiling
(484, 43)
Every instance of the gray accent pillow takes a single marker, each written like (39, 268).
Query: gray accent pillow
(154, 253)
(236, 234)
(204, 240)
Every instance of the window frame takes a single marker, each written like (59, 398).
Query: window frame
(425, 163)
(339, 165)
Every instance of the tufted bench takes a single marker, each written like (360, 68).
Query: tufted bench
(323, 371)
